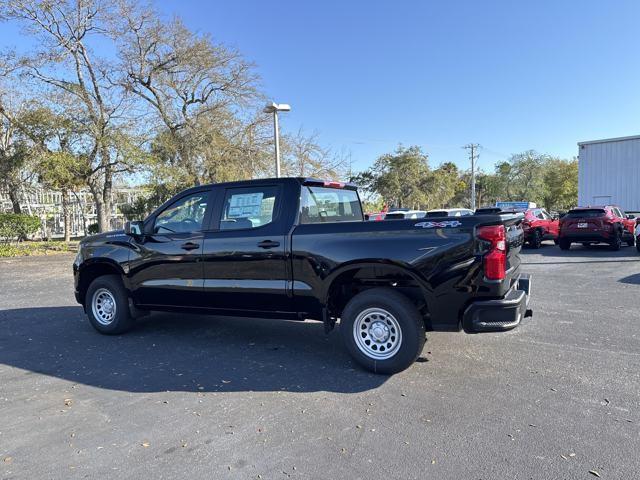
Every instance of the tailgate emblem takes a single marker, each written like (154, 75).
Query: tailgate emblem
(445, 224)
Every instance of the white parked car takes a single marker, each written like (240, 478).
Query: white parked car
(449, 212)
(405, 214)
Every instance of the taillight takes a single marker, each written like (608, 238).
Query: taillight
(495, 261)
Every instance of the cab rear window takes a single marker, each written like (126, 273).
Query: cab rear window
(321, 204)
(586, 213)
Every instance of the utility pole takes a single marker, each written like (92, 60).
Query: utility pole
(474, 147)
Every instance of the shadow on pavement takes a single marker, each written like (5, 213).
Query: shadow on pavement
(632, 279)
(580, 254)
(174, 352)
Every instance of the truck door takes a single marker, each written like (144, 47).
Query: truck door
(245, 263)
(167, 270)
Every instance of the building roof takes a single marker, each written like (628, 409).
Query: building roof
(606, 140)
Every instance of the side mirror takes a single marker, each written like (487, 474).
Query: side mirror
(631, 217)
(134, 228)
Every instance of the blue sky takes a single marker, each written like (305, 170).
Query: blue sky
(510, 75)
(367, 75)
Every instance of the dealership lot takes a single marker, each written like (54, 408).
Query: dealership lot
(205, 397)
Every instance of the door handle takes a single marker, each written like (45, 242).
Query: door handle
(189, 246)
(268, 244)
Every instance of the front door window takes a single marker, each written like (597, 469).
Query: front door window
(183, 216)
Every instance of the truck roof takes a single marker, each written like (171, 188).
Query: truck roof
(300, 180)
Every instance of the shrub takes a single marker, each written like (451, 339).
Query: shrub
(20, 226)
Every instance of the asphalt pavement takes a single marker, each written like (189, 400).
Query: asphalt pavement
(208, 397)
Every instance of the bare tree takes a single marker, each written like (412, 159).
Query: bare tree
(63, 63)
(191, 85)
(305, 157)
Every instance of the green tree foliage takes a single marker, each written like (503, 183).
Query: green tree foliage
(17, 226)
(561, 184)
(64, 172)
(404, 179)
(399, 177)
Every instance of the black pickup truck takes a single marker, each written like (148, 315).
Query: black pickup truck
(299, 248)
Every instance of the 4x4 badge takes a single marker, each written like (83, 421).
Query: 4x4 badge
(445, 224)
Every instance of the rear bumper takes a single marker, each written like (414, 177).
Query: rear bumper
(586, 237)
(501, 314)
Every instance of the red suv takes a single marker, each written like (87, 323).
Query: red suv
(538, 225)
(588, 225)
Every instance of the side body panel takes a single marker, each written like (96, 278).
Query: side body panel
(443, 261)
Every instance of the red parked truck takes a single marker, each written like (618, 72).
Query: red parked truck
(602, 224)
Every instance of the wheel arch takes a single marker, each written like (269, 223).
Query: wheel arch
(91, 270)
(349, 280)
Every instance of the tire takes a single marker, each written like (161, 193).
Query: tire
(616, 243)
(564, 244)
(395, 317)
(536, 239)
(107, 305)
(631, 241)
(586, 244)
(638, 244)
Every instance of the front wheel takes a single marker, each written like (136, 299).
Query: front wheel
(382, 330)
(107, 305)
(638, 244)
(564, 244)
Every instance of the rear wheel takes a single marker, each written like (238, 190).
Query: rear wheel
(631, 241)
(536, 239)
(382, 330)
(616, 242)
(107, 305)
(564, 244)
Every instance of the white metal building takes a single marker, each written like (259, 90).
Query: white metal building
(609, 173)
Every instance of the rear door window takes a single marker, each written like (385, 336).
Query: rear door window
(246, 208)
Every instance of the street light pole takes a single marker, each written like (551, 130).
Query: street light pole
(276, 140)
(275, 108)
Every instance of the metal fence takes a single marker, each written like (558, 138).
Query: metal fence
(47, 205)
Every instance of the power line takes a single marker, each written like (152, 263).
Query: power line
(473, 156)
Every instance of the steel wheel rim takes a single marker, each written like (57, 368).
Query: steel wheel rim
(377, 333)
(103, 306)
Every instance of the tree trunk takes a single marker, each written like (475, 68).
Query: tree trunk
(104, 221)
(107, 200)
(67, 215)
(96, 193)
(15, 201)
